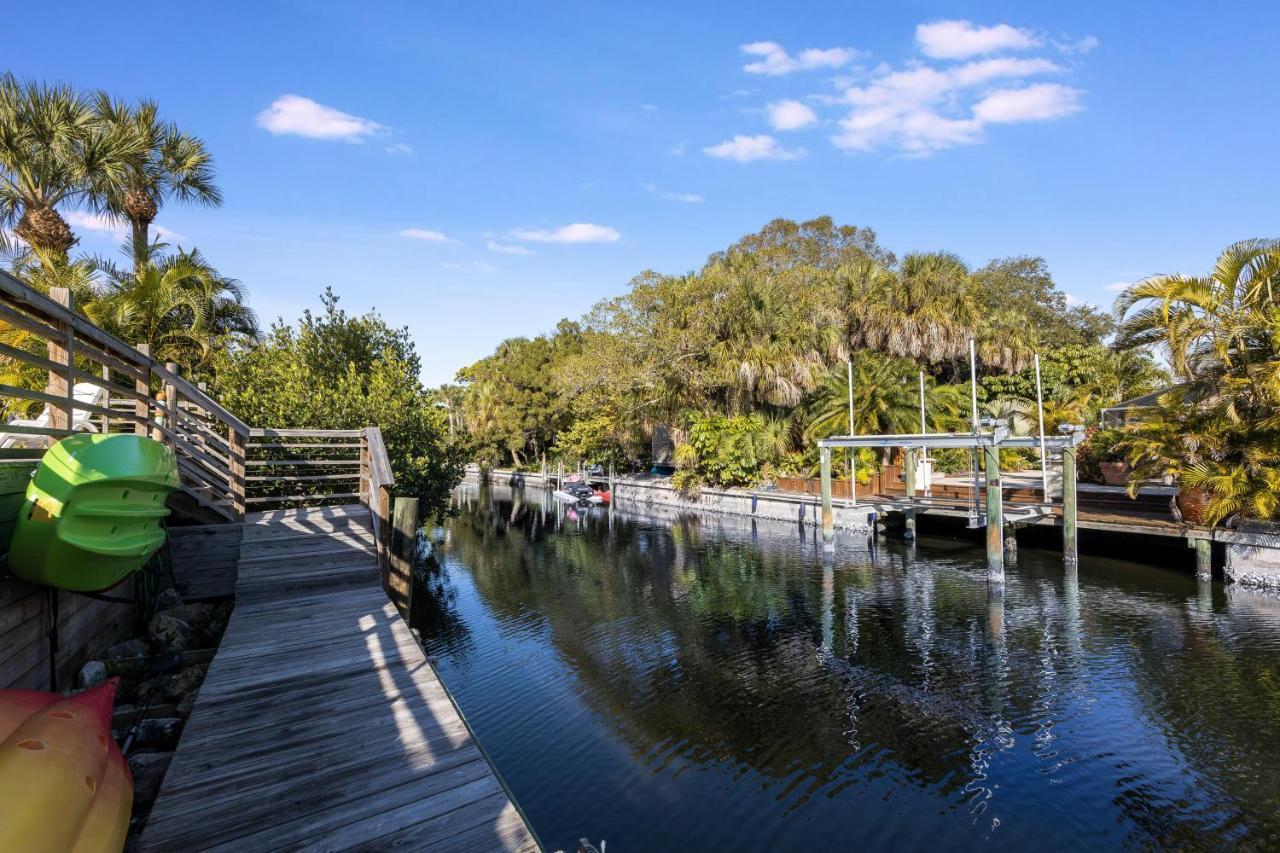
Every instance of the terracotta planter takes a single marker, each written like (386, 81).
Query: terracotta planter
(1192, 504)
(1114, 473)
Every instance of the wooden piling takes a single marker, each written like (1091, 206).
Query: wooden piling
(1070, 519)
(404, 546)
(61, 351)
(828, 519)
(909, 482)
(1204, 559)
(995, 514)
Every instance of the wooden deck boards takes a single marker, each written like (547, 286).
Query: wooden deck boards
(320, 725)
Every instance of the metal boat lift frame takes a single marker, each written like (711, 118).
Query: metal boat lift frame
(988, 446)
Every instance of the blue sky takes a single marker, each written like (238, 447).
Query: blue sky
(479, 171)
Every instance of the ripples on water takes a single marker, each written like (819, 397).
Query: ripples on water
(679, 682)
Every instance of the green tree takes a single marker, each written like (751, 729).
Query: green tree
(168, 163)
(818, 243)
(177, 304)
(724, 451)
(1024, 286)
(513, 407)
(337, 371)
(54, 151)
(1218, 428)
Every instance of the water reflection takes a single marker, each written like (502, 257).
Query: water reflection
(670, 681)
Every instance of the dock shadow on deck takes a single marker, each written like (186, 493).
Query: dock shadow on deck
(320, 725)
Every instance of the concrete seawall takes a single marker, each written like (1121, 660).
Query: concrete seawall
(803, 509)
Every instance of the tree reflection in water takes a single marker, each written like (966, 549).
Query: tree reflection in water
(697, 682)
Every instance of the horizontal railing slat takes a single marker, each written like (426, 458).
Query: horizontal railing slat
(304, 433)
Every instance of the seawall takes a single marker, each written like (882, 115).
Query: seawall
(777, 506)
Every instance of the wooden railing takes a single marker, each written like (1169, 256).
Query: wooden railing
(94, 382)
(289, 467)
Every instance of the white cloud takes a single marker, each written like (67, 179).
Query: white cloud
(667, 195)
(1118, 285)
(775, 61)
(299, 116)
(96, 223)
(426, 235)
(1040, 102)
(745, 149)
(677, 149)
(506, 248)
(117, 229)
(399, 148)
(1083, 45)
(578, 232)
(649, 108)
(961, 39)
(790, 115)
(468, 266)
(166, 236)
(922, 109)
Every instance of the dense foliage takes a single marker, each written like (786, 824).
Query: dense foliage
(744, 360)
(1217, 430)
(337, 371)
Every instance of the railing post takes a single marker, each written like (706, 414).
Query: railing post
(61, 415)
(383, 516)
(404, 545)
(106, 419)
(142, 408)
(171, 404)
(236, 444)
(366, 474)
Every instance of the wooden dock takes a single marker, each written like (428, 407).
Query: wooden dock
(321, 725)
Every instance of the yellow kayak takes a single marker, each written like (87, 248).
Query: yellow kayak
(64, 784)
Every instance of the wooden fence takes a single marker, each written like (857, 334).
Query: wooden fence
(886, 481)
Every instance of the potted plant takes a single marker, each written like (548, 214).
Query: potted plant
(1102, 457)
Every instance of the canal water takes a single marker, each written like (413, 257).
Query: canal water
(684, 682)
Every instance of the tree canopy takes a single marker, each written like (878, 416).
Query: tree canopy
(755, 341)
(337, 371)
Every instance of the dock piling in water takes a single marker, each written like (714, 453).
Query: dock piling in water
(1204, 559)
(995, 514)
(1069, 516)
(828, 519)
(909, 483)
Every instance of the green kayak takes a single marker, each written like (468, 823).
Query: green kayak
(93, 510)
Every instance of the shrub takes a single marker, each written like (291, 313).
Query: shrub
(1100, 445)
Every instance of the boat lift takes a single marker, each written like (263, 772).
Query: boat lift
(984, 446)
(987, 446)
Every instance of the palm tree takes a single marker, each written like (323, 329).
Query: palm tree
(54, 151)
(771, 338)
(177, 304)
(170, 164)
(885, 398)
(1218, 428)
(1208, 327)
